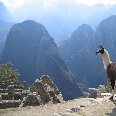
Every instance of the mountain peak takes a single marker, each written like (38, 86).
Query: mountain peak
(30, 23)
(84, 27)
(33, 51)
(82, 30)
(109, 21)
(112, 17)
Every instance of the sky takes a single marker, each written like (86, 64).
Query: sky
(67, 13)
(12, 5)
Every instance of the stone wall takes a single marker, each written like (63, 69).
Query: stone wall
(42, 91)
(9, 103)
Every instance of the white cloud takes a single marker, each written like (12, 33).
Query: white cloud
(13, 4)
(93, 2)
(49, 3)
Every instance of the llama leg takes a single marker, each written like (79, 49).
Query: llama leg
(112, 85)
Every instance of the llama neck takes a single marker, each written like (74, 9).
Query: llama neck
(106, 59)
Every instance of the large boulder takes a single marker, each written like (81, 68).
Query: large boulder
(40, 89)
(46, 80)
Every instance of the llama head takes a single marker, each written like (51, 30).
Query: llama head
(101, 50)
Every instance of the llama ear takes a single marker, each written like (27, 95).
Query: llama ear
(100, 47)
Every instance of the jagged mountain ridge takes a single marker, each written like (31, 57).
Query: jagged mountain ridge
(33, 51)
(79, 53)
(78, 40)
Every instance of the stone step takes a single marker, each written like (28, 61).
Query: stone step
(6, 90)
(107, 94)
(5, 96)
(9, 103)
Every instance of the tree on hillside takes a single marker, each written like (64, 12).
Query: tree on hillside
(8, 73)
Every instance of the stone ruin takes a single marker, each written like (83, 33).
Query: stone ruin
(102, 91)
(41, 92)
(93, 93)
(105, 91)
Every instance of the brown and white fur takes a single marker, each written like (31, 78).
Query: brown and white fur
(109, 66)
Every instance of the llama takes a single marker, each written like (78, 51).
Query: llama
(110, 68)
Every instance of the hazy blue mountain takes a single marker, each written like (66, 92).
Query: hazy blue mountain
(4, 30)
(5, 24)
(79, 53)
(106, 35)
(79, 39)
(4, 13)
(62, 18)
(33, 51)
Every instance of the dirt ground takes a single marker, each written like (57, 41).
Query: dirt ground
(76, 107)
